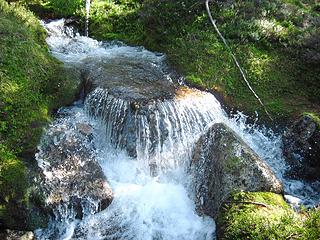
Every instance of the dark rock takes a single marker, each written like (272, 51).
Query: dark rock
(221, 164)
(128, 79)
(301, 147)
(129, 87)
(16, 235)
(23, 210)
(86, 85)
(71, 176)
(145, 126)
(85, 129)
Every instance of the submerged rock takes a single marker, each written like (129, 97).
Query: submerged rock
(72, 179)
(221, 164)
(147, 128)
(301, 147)
(16, 235)
(128, 77)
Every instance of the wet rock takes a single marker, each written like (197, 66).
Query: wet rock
(84, 129)
(144, 129)
(86, 85)
(301, 147)
(16, 235)
(221, 164)
(128, 77)
(125, 87)
(135, 75)
(72, 177)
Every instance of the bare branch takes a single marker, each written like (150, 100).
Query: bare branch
(235, 59)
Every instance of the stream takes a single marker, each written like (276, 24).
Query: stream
(142, 133)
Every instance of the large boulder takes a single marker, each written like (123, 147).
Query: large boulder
(221, 164)
(124, 86)
(301, 147)
(131, 74)
(72, 177)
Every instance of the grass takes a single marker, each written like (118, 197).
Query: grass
(243, 220)
(276, 42)
(269, 38)
(32, 85)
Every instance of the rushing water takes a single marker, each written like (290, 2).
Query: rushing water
(144, 149)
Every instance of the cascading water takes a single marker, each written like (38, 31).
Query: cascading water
(143, 134)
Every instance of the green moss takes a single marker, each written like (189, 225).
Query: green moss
(232, 163)
(314, 116)
(120, 18)
(32, 82)
(13, 183)
(312, 224)
(32, 85)
(12, 176)
(263, 215)
(267, 37)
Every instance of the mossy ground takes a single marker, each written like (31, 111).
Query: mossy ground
(276, 42)
(32, 84)
(243, 218)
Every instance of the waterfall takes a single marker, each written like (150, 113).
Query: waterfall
(157, 131)
(144, 123)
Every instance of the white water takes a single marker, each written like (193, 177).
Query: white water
(158, 206)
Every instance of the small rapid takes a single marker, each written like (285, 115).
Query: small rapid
(143, 143)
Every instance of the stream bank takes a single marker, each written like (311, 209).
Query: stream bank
(154, 135)
(32, 85)
(276, 42)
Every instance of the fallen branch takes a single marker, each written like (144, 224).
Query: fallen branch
(235, 59)
(249, 202)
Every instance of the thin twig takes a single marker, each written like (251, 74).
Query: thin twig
(235, 59)
(249, 202)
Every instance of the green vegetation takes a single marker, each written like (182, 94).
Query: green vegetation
(262, 215)
(12, 176)
(314, 116)
(32, 84)
(65, 7)
(276, 42)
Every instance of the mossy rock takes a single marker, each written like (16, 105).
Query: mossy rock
(265, 215)
(33, 83)
(223, 163)
(314, 116)
(301, 147)
(20, 203)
